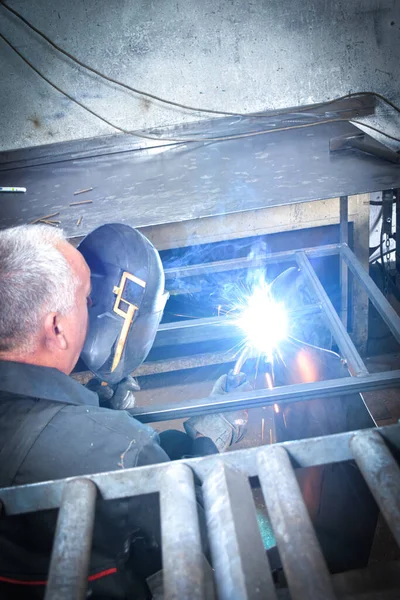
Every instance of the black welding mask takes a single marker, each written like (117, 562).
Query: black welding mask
(128, 300)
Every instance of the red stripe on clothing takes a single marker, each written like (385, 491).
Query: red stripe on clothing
(102, 574)
(90, 578)
(19, 582)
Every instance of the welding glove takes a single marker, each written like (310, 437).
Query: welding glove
(224, 429)
(119, 396)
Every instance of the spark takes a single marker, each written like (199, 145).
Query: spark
(262, 320)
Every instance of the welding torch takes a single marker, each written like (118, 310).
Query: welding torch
(235, 376)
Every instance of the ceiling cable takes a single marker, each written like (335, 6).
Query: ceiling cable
(180, 139)
(178, 104)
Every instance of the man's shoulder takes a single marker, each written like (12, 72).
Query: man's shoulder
(81, 440)
(103, 421)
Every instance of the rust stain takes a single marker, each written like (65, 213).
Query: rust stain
(35, 120)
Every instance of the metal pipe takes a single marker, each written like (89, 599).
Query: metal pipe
(246, 263)
(382, 474)
(69, 563)
(281, 395)
(183, 562)
(329, 449)
(344, 276)
(304, 566)
(238, 556)
(343, 340)
(381, 304)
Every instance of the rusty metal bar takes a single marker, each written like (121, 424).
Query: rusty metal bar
(72, 542)
(382, 474)
(238, 556)
(342, 338)
(183, 566)
(304, 565)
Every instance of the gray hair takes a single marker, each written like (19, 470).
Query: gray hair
(35, 279)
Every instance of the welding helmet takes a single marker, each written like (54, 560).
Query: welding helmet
(128, 300)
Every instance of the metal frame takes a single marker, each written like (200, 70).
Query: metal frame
(362, 382)
(230, 513)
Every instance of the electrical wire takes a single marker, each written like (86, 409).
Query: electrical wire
(182, 139)
(111, 79)
(381, 255)
(178, 104)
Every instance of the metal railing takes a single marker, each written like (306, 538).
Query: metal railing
(240, 564)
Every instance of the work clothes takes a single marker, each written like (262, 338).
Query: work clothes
(79, 438)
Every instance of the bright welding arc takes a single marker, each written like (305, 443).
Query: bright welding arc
(263, 321)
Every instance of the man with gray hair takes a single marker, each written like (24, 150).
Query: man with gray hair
(52, 427)
(45, 288)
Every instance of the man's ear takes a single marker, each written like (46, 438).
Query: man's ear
(54, 332)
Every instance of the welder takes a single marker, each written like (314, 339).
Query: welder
(103, 302)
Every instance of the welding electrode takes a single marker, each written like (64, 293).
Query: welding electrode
(235, 377)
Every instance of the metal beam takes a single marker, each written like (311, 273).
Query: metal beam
(342, 338)
(344, 276)
(246, 263)
(182, 556)
(304, 566)
(73, 541)
(266, 397)
(238, 556)
(382, 474)
(381, 304)
(136, 481)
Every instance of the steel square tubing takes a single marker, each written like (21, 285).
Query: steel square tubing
(342, 338)
(208, 328)
(182, 557)
(265, 397)
(382, 474)
(238, 556)
(146, 480)
(72, 542)
(381, 304)
(246, 263)
(304, 566)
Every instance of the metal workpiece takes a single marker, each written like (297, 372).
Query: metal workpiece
(381, 304)
(209, 328)
(382, 474)
(72, 542)
(342, 338)
(266, 397)
(234, 264)
(304, 565)
(183, 563)
(237, 553)
(238, 556)
(138, 481)
(195, 330)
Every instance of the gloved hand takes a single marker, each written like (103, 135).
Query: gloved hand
(225, 428)
(118, 397)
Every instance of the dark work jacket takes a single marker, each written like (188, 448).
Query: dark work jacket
(80, 439)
